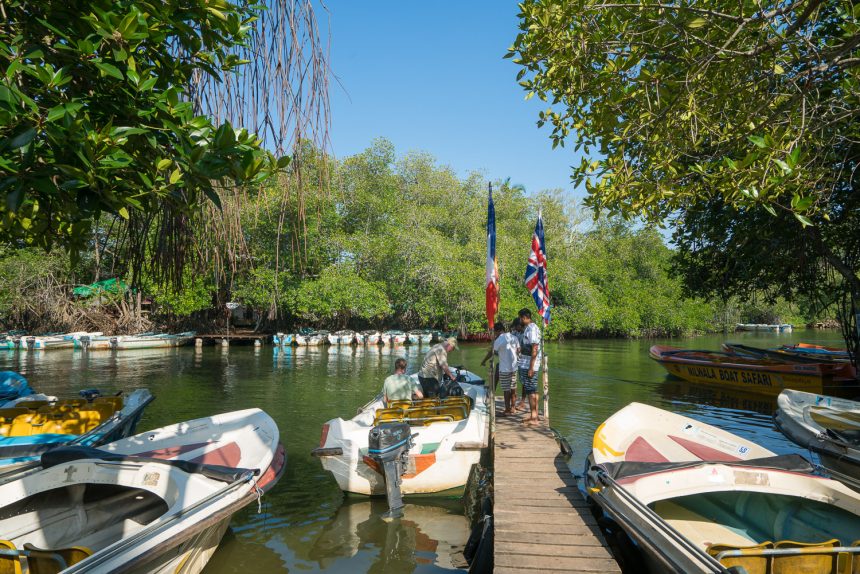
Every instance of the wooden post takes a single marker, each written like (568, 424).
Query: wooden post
(491, 392)
(545, 390)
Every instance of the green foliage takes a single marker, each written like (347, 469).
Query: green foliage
(752, 102)
(337, 296)
(195, 295)
(95, 116)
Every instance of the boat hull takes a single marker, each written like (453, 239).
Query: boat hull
(743, 375)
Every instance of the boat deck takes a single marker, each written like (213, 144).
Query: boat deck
(541, 520)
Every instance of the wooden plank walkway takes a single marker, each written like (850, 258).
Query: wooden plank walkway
(541, 520)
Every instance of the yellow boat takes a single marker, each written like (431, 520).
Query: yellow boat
(761, 376)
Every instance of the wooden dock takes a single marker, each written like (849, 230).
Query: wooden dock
(541, 520)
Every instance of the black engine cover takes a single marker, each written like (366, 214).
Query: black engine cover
(388, 440)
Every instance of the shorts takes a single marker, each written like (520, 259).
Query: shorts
(529, 383)
(508, 380)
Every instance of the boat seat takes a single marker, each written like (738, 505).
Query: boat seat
(8, 415)
(751, 563)
(400, 404)
(807, 562)
(58, 421)
(10, 562)
(424, 421)
(52, 561)
(387, 416)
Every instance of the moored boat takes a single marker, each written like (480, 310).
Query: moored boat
(816, 351)
(841, 368)
(318, 338)
(343, 337)
(157, 502)
(394, 337)
(358, 338)
(827, 426)
(128, 342)
(300, 340)
(413, 337)
(282, 339)
(756, 375)
(49, 342)
(695, 498)
(34, 425)
(450, 433)
(385, 338)
(372, 337)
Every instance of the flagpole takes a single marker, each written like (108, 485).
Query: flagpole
(492, 386)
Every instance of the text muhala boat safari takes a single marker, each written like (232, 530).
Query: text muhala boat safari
(759, 375)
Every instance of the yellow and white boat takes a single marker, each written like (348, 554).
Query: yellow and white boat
(695, 498)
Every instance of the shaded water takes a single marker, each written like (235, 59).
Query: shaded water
(307, 524)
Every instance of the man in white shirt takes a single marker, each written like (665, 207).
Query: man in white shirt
(507, 346)
(529, 363)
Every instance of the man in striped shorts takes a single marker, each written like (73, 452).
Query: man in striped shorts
(507, 346)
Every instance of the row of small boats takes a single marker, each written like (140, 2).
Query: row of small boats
(805, 367)
(348, 337)
(772, 327)
(691, 497)
(94, 341)
(79, 493)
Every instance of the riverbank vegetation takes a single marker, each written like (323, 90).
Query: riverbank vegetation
(393, 241)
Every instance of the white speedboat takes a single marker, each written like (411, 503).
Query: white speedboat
(447, 436)
(385, 338)
(157, 502)
(282, 339)
(828, 426)
(394, 337)
(695, 498)
(50, 342)
(344, 337)
(127, 342)
(371, 337)
(318, 338)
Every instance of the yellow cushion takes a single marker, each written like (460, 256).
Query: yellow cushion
(808, 562)
(753, 564)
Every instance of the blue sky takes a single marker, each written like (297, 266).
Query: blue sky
(430, 76)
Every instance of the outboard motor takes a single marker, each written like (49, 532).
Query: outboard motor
(30, 343)
(114, 342)
(85, 341)
(388, 445)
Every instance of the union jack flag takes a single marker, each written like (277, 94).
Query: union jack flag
(536, 279)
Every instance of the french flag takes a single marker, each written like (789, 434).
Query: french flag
(492, 265)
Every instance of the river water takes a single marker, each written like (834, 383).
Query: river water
(307, 524)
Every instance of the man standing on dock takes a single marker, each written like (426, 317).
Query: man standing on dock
(529, 363)
(435, 365)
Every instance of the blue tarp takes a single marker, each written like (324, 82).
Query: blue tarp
(13, 386)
